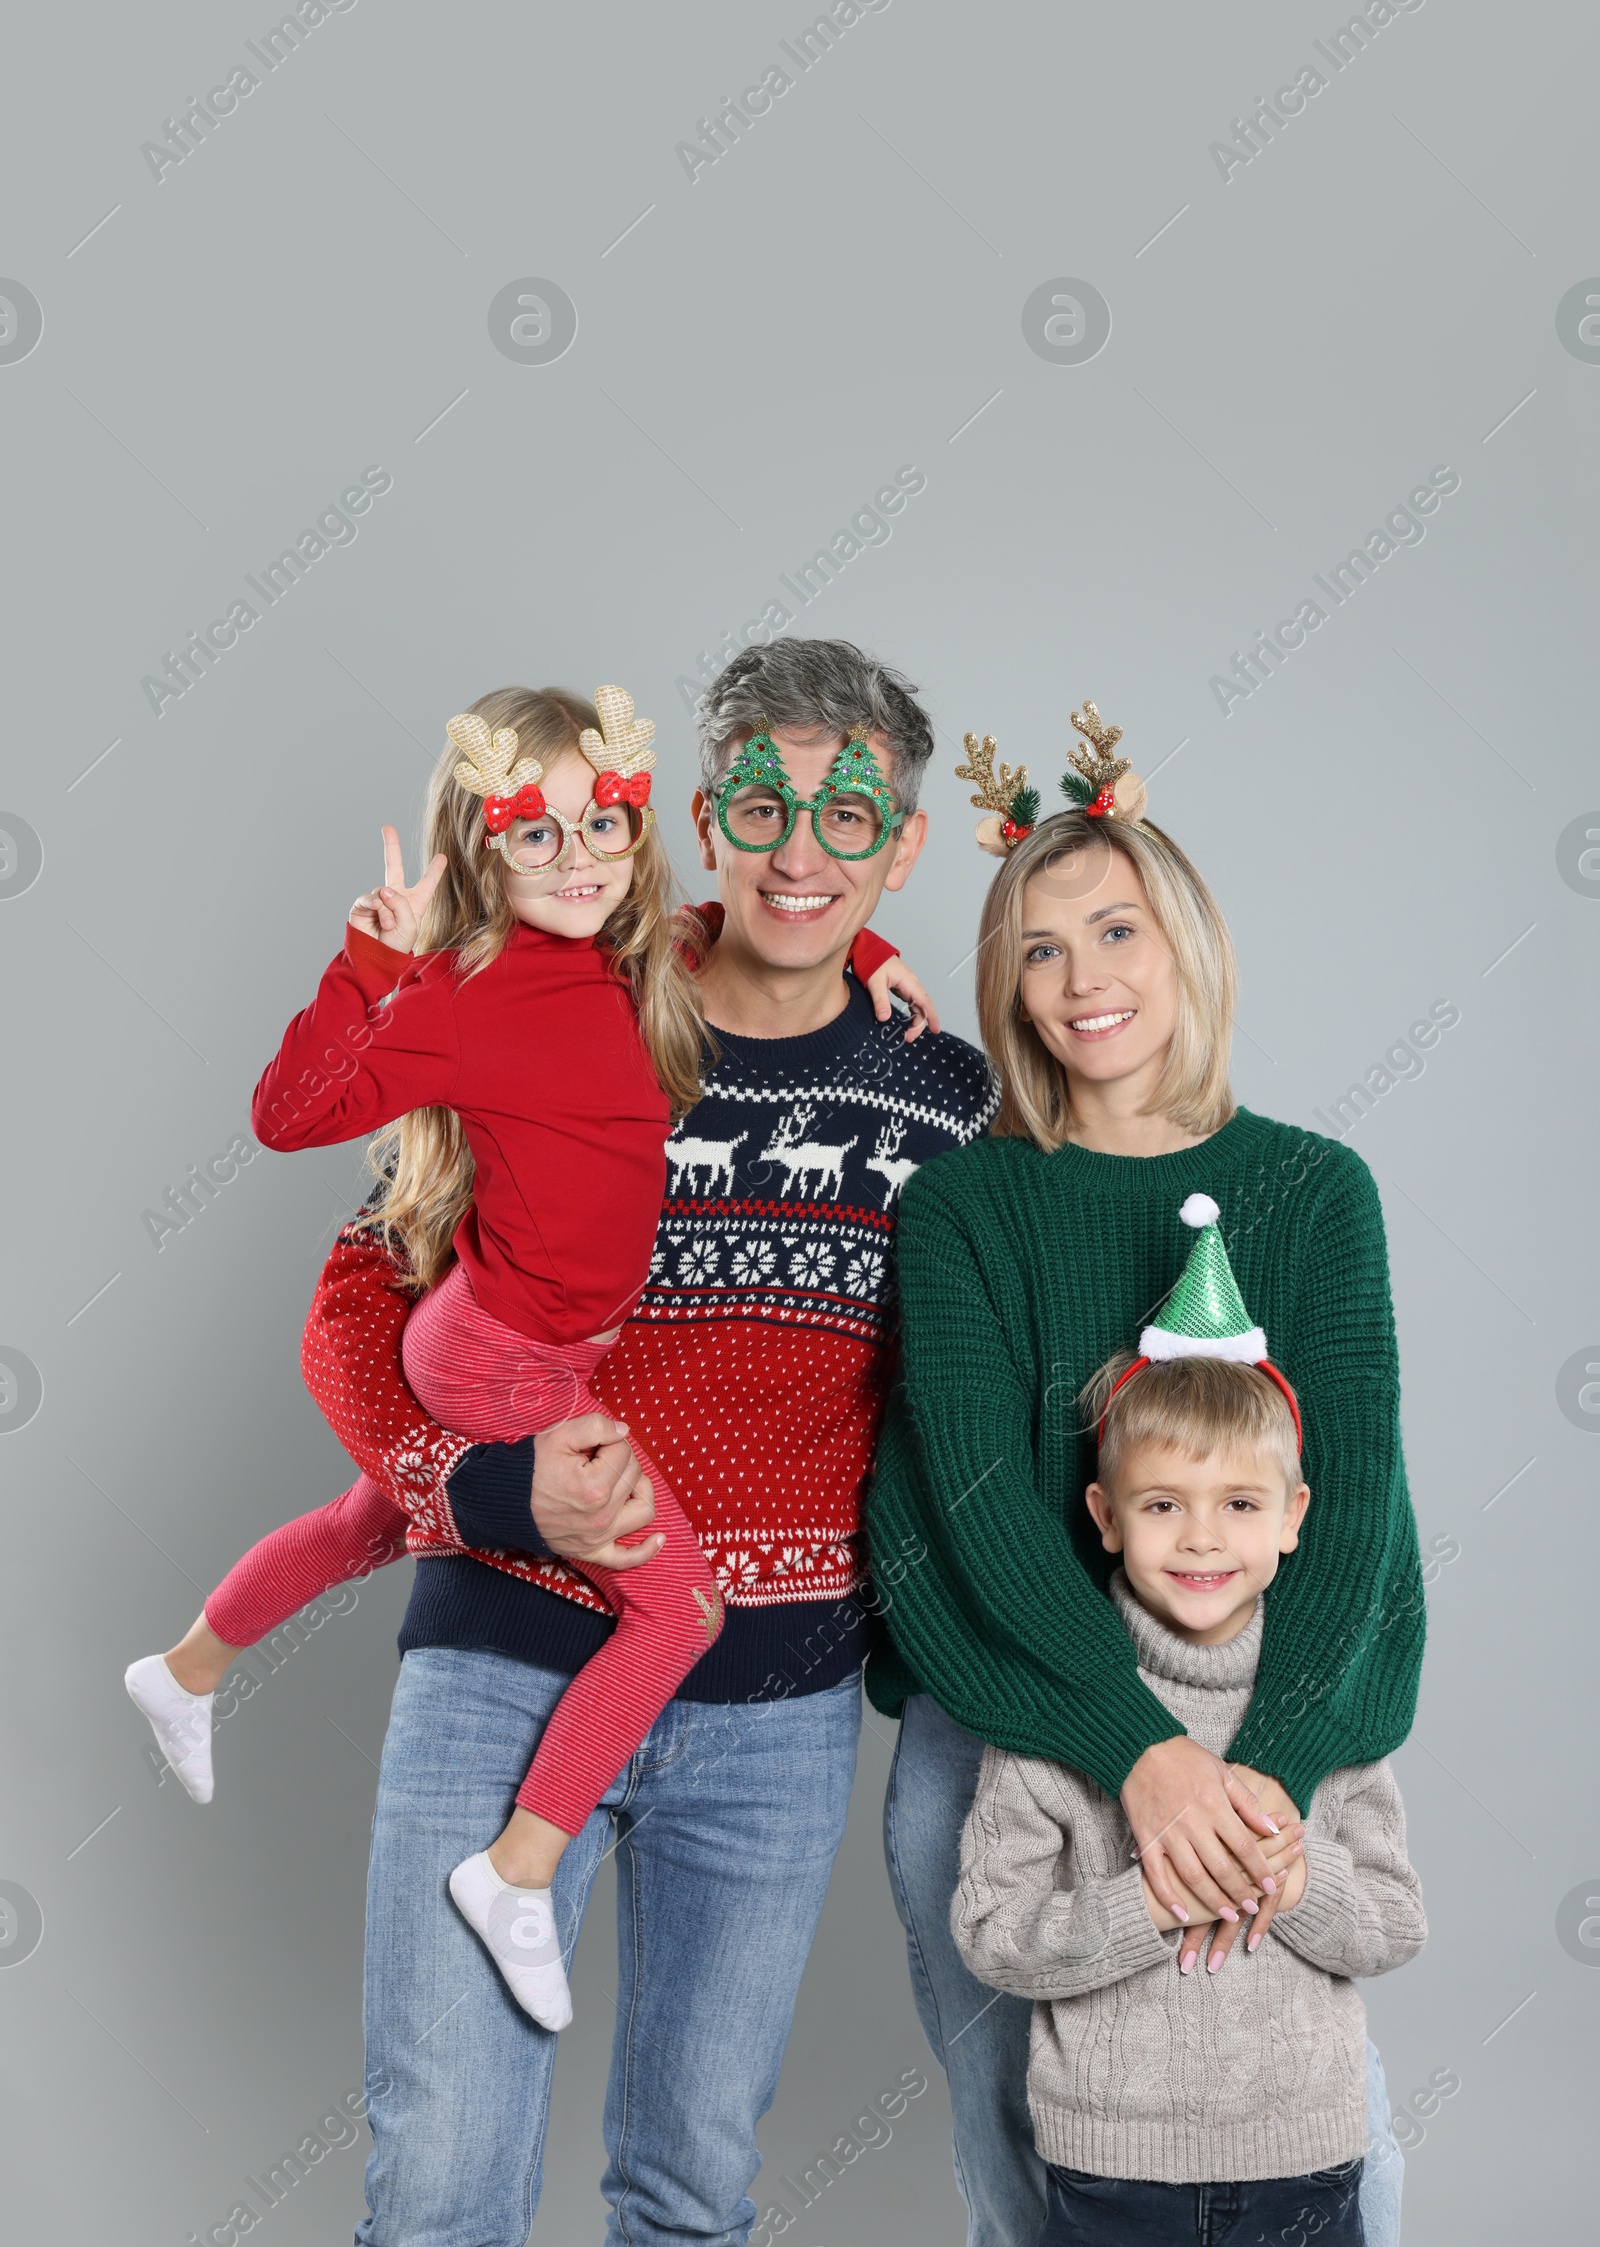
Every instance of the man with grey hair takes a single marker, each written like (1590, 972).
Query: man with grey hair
(754, 1371)
(792, 908)
(811, 684)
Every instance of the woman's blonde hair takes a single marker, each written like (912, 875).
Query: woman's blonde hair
(1035, 1091)
(424, 1157)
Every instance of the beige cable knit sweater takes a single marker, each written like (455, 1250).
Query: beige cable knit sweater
(1135, 2070)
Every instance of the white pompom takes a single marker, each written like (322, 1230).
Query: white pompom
(1199, 1210)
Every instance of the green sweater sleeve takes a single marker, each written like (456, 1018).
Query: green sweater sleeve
(997, 1619)
(1343, 1647)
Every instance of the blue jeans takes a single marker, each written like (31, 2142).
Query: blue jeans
(979, 2037)
(725, 1822)
(1124, 2212)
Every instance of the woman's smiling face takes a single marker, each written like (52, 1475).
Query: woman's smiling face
(1098, 980)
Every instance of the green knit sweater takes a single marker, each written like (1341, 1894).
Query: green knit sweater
(1019, 1274)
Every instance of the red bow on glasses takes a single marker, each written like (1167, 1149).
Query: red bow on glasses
(611, 788)
(500, 811)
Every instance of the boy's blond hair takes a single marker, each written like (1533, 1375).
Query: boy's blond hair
(1193, 1405)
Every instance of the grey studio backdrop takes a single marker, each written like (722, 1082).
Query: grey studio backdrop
(1151, 333)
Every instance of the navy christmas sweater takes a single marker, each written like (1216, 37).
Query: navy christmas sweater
(754, 1368)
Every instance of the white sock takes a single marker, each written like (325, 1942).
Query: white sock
(181, 1721)
(518, 1927)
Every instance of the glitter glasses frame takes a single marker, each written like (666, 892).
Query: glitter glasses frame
(753, 769)
(569, 828)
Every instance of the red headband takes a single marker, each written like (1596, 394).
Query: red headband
(1264, 1364)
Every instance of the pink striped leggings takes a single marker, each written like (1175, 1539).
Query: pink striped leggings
(492, 1385)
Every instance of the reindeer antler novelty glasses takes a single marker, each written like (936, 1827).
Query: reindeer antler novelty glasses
(616, 822)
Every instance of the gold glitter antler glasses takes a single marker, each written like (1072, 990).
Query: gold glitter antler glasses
(620, 752)
(490, 767)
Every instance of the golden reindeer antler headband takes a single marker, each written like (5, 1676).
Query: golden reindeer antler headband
(1010, 805)
(1097, 782)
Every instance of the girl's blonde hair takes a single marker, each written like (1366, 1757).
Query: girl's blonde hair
(1035, 1092)
(424, 1157)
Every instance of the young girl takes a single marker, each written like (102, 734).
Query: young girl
(535, 1057)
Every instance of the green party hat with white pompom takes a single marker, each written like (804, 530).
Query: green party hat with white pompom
(1204, 1316)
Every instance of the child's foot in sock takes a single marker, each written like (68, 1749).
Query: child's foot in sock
(518, 1927)
(180, 1721)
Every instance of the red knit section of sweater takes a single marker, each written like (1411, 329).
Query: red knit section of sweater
(764, 1425)
(776, 1521)
(350, 1357)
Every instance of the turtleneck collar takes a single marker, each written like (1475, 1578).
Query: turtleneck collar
(1164, 1654)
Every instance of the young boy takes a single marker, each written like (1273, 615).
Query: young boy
(1180, 2106)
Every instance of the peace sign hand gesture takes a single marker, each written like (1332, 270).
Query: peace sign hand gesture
(394, 913)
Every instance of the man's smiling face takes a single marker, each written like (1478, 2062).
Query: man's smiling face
(797, 907)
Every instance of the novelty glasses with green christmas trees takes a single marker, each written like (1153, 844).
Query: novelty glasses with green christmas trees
(852, 814)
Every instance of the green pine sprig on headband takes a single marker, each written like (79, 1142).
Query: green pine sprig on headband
(1076, 790)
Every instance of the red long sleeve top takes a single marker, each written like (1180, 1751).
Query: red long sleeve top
(540, 1056)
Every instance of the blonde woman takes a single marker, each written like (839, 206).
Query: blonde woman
(1106, 997)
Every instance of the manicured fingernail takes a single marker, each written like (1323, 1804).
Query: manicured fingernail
(1215, 1961)
(1270, 1885)
(1250, 1904)
(1254, 1942)
(1270, 1823)
(1232, 1917)
(1186, 1963)
(1178, 1912)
